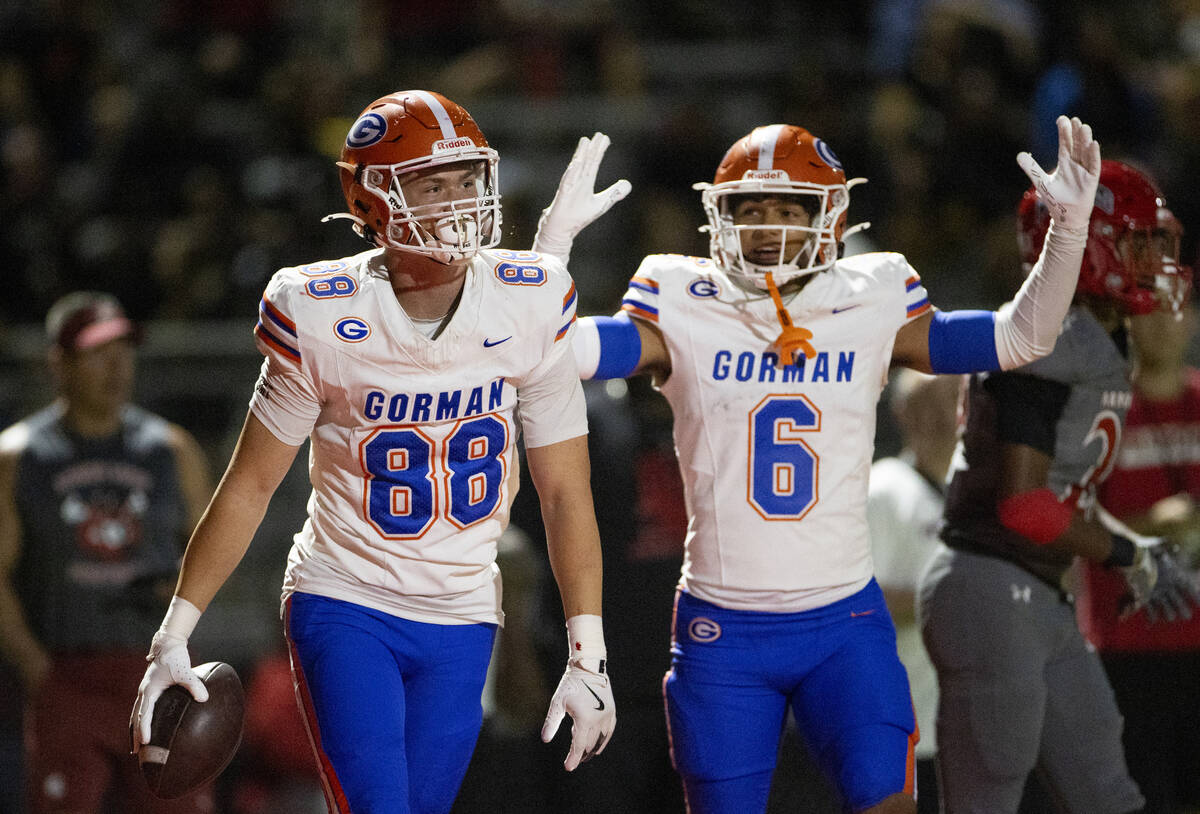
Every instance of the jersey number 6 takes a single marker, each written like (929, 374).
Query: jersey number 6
(782, 478)
(407, 471)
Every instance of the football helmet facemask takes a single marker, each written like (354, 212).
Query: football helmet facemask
(400, 139)
(1133, 247)
(778, 161)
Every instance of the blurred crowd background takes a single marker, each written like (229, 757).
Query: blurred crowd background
(177, 152)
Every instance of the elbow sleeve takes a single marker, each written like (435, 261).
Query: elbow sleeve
(607, 347)
(1037, 515)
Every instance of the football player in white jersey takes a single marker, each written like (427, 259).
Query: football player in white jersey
(404, 366)
(772, 354)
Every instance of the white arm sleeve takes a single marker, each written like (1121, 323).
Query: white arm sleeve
(586, 346)
(1027, 328)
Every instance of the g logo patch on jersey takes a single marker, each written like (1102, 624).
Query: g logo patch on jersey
(369, 129)
(351, 329)
(702, 629)
(702, 288)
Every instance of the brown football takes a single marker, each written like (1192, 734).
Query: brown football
(191, 743)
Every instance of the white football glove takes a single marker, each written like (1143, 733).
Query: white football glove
(170, 664)
(575, 205)
(583, 693)
(1070, 191)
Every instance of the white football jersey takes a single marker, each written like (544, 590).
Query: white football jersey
(414, 440)
(774, 460)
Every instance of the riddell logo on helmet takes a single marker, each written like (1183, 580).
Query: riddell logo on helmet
(765, 175)
(445, 145)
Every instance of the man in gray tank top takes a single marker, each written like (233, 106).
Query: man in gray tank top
(1020, 688)
(96, 499)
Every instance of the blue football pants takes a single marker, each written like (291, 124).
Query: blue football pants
(734, 674)
(392, 705)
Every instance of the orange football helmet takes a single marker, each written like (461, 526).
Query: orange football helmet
(403, 133)
(776, 160)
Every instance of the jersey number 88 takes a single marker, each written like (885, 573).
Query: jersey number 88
(407, 471)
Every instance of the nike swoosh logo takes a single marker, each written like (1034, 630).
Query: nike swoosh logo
(862, 613)
(845, 308)
(599, 703)
(487, 343)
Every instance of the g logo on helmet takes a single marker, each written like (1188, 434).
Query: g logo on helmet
(351, 329)
(826, 154)
(703, 629)
(369, 129)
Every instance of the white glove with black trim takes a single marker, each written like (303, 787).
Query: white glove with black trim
(584, 693)
(1070, 191)
(170, 663)
(575, 205)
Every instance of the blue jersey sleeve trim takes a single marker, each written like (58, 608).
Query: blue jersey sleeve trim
(963, 342)
(620, 347)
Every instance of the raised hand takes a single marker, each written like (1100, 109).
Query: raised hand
(575, 205)
(1070, 191)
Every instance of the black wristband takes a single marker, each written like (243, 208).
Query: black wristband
(1123, 552)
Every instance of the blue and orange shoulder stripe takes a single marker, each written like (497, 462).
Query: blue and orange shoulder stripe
(276, 331)
(915, 296)
(570, 300)
(641, 298)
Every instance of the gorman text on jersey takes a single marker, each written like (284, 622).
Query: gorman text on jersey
(763, 366)
(417, 408)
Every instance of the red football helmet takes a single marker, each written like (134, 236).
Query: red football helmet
(1132, 254)
(401, 134)
(779, 159)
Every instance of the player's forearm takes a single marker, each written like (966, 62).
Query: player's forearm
(1028, 329)
(560, 474)
(1043, 518)
(575, 559)
(573, 543)
(258, 464)
(220, 541)
(1019, 333)
(1086, 538)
